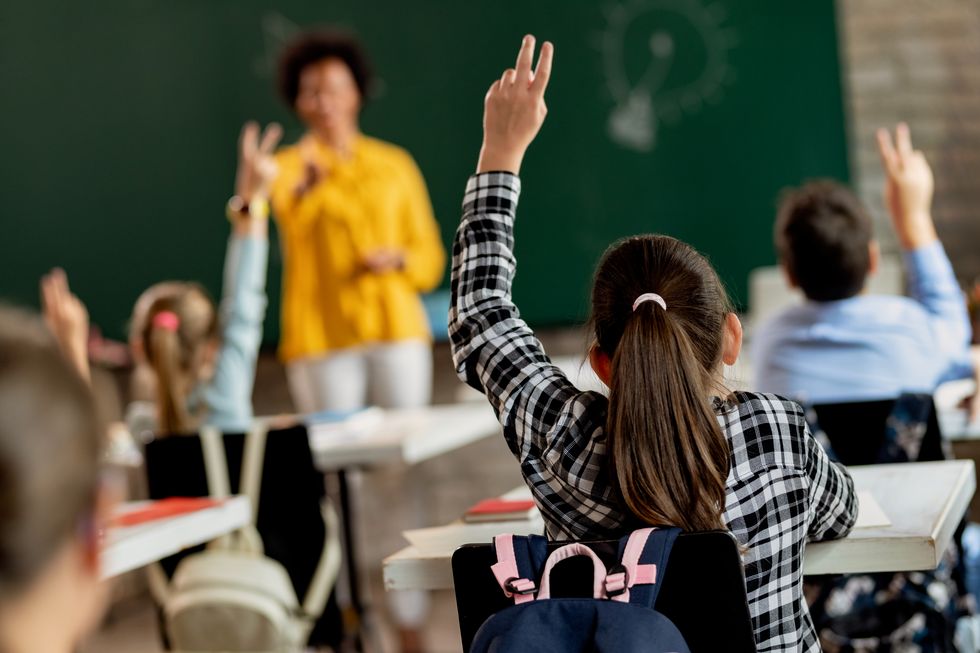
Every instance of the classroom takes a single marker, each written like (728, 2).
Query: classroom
(440, 327)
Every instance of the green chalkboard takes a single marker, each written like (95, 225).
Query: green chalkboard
(119, 121)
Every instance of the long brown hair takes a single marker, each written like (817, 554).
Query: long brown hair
(669, 456)
(175, 348)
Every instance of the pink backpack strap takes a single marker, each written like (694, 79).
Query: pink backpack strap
(569, 551)
(507, 574)
(630, 571)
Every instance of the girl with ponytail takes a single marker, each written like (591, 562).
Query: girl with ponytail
(198, 363)
(194, 363)
(669, 445)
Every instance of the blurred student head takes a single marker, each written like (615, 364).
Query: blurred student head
(51, 502)
(325, 77)
(174, 335)
(825, 241)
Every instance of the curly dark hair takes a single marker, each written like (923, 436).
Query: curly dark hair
(313, 47)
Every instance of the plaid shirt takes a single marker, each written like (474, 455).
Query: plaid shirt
(782, 489)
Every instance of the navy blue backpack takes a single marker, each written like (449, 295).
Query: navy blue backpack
(618, 617)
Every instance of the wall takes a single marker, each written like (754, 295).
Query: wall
(919, 61)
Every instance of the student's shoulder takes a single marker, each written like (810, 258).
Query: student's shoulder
(889, 305)
(769, 331)
(764, 431)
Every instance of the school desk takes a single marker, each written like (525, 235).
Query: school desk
(962, 435)
(406, 436)
(953, 421)
(924, 502)
(396, 437)
(130, 547)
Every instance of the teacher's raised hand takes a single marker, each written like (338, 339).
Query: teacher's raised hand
(514, 110)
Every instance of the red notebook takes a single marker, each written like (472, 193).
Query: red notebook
(490, 510)
(162, 509)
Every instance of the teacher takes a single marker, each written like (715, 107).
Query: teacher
(359, 243)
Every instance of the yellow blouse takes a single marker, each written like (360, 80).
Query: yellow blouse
(374, 199)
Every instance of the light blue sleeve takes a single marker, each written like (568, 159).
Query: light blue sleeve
(932, 284)
(228, 395)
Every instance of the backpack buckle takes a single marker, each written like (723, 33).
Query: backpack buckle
(520, 586)
(617, 580)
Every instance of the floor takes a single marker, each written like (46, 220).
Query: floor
(438, 491)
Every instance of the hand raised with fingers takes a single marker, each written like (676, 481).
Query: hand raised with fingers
(908, 187)
(256, 166)
(67, 318)
(514, 109)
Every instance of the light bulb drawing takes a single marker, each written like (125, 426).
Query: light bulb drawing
(683, 47)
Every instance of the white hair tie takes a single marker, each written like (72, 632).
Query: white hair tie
(650, 297)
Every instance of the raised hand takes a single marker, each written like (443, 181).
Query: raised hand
(256, 167)
(908, 188)
(67, 318)
(514, 110)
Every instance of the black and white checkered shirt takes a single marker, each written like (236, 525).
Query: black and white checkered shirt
(782, 489)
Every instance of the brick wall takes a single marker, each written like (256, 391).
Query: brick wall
(919, 61)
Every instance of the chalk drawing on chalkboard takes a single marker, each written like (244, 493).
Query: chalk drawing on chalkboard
(277, 31)
(662, 59)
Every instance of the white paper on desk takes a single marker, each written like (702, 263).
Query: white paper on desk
(452, 536)
(870, 514)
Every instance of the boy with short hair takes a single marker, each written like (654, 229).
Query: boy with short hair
(844, 345)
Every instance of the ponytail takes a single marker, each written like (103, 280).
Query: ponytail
(171, 388)
(669, 456)
(175, 331)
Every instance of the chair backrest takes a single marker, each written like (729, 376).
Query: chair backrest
(702, 592)
(872, 432)
(288, 515)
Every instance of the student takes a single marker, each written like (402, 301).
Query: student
(52, 505)
(843, 344)
(670, 446)
(203, 359)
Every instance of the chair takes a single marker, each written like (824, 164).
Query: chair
(899, 430)
(294, 519)
(905, 429)
(703, 590)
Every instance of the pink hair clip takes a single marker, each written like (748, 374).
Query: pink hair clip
(650, 297)
(166, 320)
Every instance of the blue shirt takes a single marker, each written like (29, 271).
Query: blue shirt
(870, 347)
(228, 394)
(226, 398)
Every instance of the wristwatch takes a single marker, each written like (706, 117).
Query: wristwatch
(237, 208)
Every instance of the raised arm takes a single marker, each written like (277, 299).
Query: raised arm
(931, 282)
(243, 300)
(493, 348)
(67, 319)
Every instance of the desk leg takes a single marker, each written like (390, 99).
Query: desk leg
(356, 619)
